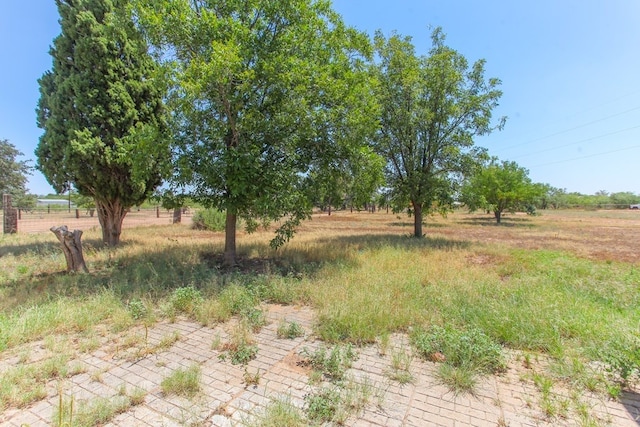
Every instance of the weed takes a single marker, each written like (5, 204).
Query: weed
(459, 379)
(334, 404)
(216, 343)
(383, 343)
(97, 411)
(289, 330)
(471, 349)
(323, 404)
(186, 300)
(137, 309)
(332, 364)
(251, 379)
(240, 348)
(400, 367)
(255, 318)
(182, 382)
(281, 413)
(168, 340)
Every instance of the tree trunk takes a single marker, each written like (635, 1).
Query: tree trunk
(498, 215)
(110, 214)
(177, 215)
(230, 239)
(72, 248)
(417, 220)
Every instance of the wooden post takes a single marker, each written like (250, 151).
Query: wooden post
(157, 211)
(77, 213)
(72, 248)
(10, 225)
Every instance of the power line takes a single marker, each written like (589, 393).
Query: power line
(576, 142)
(586, 157)
(570, 129)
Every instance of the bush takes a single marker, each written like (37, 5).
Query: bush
(209, 219)
(186, 299)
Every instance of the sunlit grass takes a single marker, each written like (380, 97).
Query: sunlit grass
(519, 284)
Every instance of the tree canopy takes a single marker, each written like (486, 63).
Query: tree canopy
(102, 112)
(13, 179)
(499, 187)
(432, 108)
(264, 94)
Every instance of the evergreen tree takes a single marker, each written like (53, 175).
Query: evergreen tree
(102, 113)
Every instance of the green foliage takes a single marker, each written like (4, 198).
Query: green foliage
(186, 299)
(471, 348)
(622, 357)
(334, 404)
(209, 219)
(102, 113)
(13, 179)
(262, 91)
(432, 107)
(501, 186)
(323, 404)
(137, 308)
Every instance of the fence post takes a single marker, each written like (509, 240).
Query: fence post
(157, 211)
(77, 213)
(10, 215)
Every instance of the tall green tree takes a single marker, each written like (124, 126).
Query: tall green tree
(264, 91)
(13, 179)
(501, 186)
(432, 108)
(102, 112)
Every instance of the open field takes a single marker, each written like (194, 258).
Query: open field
(533, 322)
(41, 220)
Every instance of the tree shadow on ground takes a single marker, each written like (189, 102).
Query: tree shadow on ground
(491, 221)
(53, 246)
(631, 402)
(155, 273)
(410, 224)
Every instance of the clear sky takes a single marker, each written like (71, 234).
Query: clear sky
(570, 72)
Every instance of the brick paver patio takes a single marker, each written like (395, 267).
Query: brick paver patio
(225, 400)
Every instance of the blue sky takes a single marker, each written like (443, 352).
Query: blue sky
(570, 74)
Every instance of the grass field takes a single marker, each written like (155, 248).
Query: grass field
(563, 287)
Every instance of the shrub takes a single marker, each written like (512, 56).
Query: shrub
(209, 219)
(186, 299)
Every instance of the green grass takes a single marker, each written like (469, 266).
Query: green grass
(25, 384)
(97, 411)
(280, 413)
(365, 279)
(182, 382)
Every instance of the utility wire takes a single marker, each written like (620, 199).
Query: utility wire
(576, 142)
(586, 157)
(570, 129)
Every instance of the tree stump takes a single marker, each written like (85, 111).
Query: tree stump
(72, 248)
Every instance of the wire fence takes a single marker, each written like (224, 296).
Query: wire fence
(42, 219)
